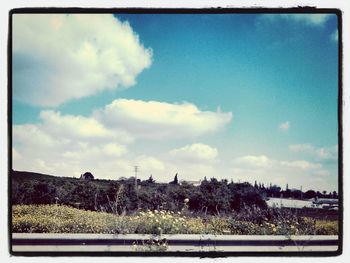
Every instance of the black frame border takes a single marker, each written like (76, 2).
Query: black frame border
(214, 10)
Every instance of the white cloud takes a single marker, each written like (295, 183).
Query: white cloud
(16, 155)
(323, 153)
(113, 149)
(157, 120)
(262, 161)
(87, 151)
(284, 126)
(34, 138)
(195, 152)
(149, 163)
(297, 172)
(334, 36)
(66, 144)
(79, 127)
(59, 57)
(254, 161)
(308, 19)
(301, 147)
(322, 173)
(301, 164)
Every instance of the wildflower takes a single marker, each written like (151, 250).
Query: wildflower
(274, 229)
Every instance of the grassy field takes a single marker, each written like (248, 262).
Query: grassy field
(64, 219)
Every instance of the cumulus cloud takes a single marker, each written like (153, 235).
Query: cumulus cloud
(65, 143)
(157, 120)
(59, 57)
(88, 151)
(34, 138)
(295, 173)
(195, 152)
(149, 163)
(79, 127)
(308, 19)
(323, 153)
(284, 126)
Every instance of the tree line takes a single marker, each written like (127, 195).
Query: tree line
(125, 196)
(276, 191)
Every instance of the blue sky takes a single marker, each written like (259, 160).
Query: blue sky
(263, 89)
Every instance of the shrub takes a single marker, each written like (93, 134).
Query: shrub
(64, 219)
(324, 227)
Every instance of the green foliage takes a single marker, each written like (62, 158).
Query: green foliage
(211, 197)
(59, 219)
(175, 181)
(64, 219)
(151, 245)
(326, 227)
(150, 180)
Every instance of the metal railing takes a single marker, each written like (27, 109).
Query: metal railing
(40, 242)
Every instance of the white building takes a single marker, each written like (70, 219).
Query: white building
(289, 203)
(311, 203)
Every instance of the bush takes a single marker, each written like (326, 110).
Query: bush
(325, 227)
(64, 219)
(59, 219)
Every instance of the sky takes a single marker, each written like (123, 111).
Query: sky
(245, 97)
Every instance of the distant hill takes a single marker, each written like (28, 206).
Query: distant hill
(29, 176)
(37, 188)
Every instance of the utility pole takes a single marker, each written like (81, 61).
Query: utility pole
(136, 169)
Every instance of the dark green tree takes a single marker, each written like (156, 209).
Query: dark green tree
(175, 181)
(150, 180)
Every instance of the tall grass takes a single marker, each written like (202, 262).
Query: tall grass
(64, 219)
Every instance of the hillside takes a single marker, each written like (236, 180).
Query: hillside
(37, 188)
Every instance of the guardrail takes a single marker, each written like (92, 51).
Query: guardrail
(33, 242)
